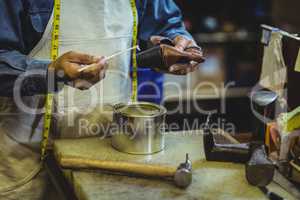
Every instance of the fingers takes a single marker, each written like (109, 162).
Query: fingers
(81, 58)
(155, 40)
(186, 47)
(71, 70)
(181, 43)
(91, 76)
(182, 69)
(95, 72)
(195, 51)
(69, 64)
(195, 56)
(92, 73)
(189, 46)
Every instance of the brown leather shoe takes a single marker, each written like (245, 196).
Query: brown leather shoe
(163, 56)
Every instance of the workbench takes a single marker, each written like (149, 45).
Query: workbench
(211, 180)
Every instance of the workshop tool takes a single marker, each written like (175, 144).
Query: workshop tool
(270, 195)
(238, 153)
(263, 106)
(260, 172)
(159, 57)
(287, 185)
(259, 169)
(107, 58)
(182, 176)
(139, 128)
(164, 55)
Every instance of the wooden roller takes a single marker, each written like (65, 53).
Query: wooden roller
(118, 166)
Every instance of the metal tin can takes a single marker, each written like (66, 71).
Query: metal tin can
(138, 128)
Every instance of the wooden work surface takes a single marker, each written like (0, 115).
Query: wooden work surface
(211, 180)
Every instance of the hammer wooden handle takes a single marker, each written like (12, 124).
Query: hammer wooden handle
(118, 166)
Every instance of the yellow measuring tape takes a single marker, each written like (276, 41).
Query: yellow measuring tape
(134, 60)
(49, 97)
(54, 55)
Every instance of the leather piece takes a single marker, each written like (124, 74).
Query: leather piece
(171, 56)
(163, 56)
(150, 58)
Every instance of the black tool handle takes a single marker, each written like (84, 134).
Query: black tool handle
(274, 196)
(271, 195)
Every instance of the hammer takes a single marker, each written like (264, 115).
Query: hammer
(182, 175)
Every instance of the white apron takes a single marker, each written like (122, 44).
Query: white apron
(97, 27)
(101, 28)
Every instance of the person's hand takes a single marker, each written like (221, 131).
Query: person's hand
(189, 49)
(69, 64)
(189, 46)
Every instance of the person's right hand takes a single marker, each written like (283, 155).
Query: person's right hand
(70, 63)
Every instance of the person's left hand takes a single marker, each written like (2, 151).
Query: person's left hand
(181, 43)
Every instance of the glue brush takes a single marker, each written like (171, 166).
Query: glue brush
(112, 56)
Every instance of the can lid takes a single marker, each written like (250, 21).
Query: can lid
(142, 109)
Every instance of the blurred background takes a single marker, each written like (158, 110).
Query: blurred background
(229, 32)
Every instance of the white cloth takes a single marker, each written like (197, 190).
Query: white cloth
(100, 28)
(274, 73)
(20, 164)
(96, 27)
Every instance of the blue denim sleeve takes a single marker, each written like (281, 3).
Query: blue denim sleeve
(162, 17)
(13, 49)
(19, 73)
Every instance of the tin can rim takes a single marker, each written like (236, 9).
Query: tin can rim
(161, 110)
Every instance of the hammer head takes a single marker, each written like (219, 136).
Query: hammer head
(183, 178)
(259, 169)
(183, 175)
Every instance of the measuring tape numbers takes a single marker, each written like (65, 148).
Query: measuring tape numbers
(134, 59)
(49, 97)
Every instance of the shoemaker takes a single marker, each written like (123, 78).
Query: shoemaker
(89, 31)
